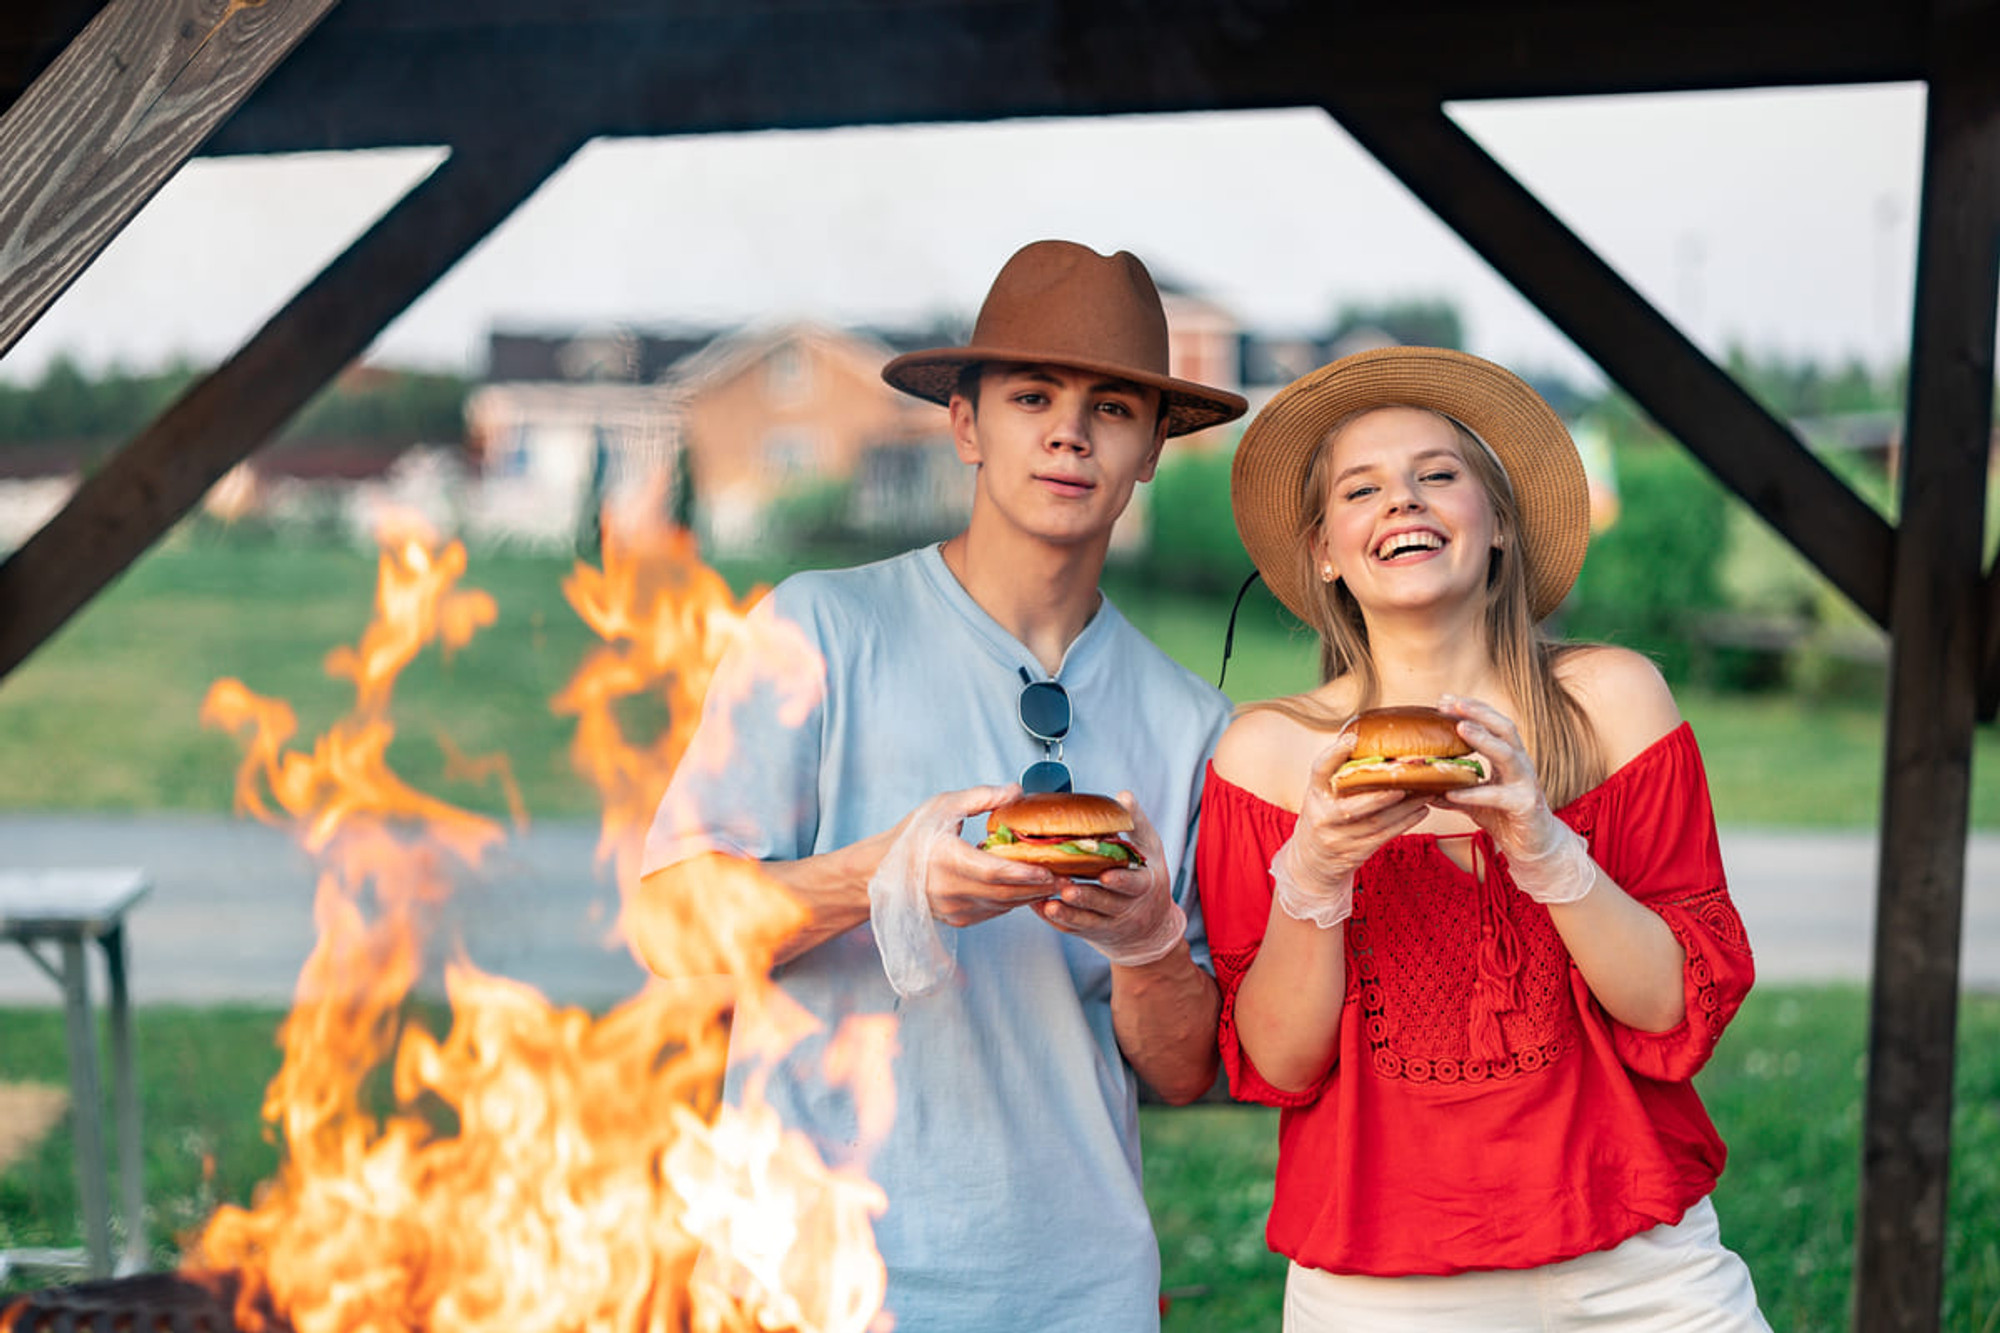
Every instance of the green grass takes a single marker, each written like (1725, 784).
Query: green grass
(105, 716)
(1785, 1089)
(202, 1074)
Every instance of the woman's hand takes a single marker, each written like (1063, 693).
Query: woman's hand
(1547, 859)
(1313, 873)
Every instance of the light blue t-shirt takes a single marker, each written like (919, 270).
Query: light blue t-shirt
(1012, 1168)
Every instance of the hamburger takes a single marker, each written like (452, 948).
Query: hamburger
(1071, 833)
(1407, 748)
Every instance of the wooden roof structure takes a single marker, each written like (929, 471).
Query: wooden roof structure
(104, 100)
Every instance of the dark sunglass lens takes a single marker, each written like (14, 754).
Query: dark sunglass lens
(1045, 775)
(1045, 710)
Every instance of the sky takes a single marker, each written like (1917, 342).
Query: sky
(1782, 221)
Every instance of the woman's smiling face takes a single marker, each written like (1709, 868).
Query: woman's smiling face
(1407, 523)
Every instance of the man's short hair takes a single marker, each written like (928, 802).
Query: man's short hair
(968, 383)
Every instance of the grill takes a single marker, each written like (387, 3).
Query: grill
(144, 1303)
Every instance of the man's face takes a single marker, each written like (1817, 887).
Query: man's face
(1059, 450)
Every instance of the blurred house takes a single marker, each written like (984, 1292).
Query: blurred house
(548, 456)
(1204, 344)
(730, 432)
(769, 433)
(773, 413)
(367, 438)
(36, 481)
(1269, 361)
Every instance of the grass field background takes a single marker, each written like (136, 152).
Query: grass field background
(1785, 1089)
(104, 719)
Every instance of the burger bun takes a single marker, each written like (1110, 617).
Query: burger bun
(1071, 817)
(1062, 814)
(1407, 748)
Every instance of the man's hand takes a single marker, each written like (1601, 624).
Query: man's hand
(963, 884)
(927, 874)
(958, 884)
(1128, 915)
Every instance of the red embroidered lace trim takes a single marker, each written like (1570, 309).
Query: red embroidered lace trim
(1718, 917)
(1434, 1009)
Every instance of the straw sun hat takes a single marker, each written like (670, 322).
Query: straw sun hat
(1063, 304)
(1523, 432)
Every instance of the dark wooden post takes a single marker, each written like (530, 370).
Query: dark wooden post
(1933, 690)
(126, 505)
(118, 112)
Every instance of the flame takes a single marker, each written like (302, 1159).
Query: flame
(536, 1167)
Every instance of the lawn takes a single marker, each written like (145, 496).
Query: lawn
(104, 717)
(1785, 1089)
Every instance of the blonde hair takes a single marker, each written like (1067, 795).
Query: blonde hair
(1559, 737)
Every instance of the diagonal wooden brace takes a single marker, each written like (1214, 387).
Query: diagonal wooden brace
(129, 503)
(1754, 454)
(125, 104)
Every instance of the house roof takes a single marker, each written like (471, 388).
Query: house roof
(620, 353)
(730, 354)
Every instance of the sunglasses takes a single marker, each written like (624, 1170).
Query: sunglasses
(1044, 712)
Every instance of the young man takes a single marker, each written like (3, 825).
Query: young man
(1025, 1004)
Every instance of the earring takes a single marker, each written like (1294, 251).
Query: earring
(1326, 573)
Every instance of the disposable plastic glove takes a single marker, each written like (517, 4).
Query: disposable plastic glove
(1559, 870)
(1312, 876)
(1308, 890)
(1131, 916)
(1549, 860)
(917, 956)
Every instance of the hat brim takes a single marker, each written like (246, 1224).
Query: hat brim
(1524, 433)
(933, 375)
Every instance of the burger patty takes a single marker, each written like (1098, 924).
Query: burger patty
(1093, 846)
(1414, 761)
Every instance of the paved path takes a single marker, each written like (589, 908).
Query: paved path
(230, 914)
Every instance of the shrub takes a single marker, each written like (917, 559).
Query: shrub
(811, 512)
(1654, 576)
(1191, 544)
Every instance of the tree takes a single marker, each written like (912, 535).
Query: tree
(1419, 321)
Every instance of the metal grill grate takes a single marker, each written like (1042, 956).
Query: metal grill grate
(144, 1303)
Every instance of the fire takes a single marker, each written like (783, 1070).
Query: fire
(535, 1167)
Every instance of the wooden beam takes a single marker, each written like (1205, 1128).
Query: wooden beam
(130, 502)
(1754, 454)
(32, 34)
(1934, 666)
(121, 108)
(386, 72)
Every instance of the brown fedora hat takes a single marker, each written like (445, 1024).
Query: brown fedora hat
(1267, 481)
(1063, 304)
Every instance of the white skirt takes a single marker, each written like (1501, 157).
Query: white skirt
(1672, 1279)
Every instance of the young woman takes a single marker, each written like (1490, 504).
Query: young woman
(1480, 1010)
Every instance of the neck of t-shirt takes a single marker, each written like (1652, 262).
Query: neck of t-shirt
(1044, 597)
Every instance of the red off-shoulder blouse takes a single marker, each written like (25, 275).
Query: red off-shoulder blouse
(1483, 1110)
